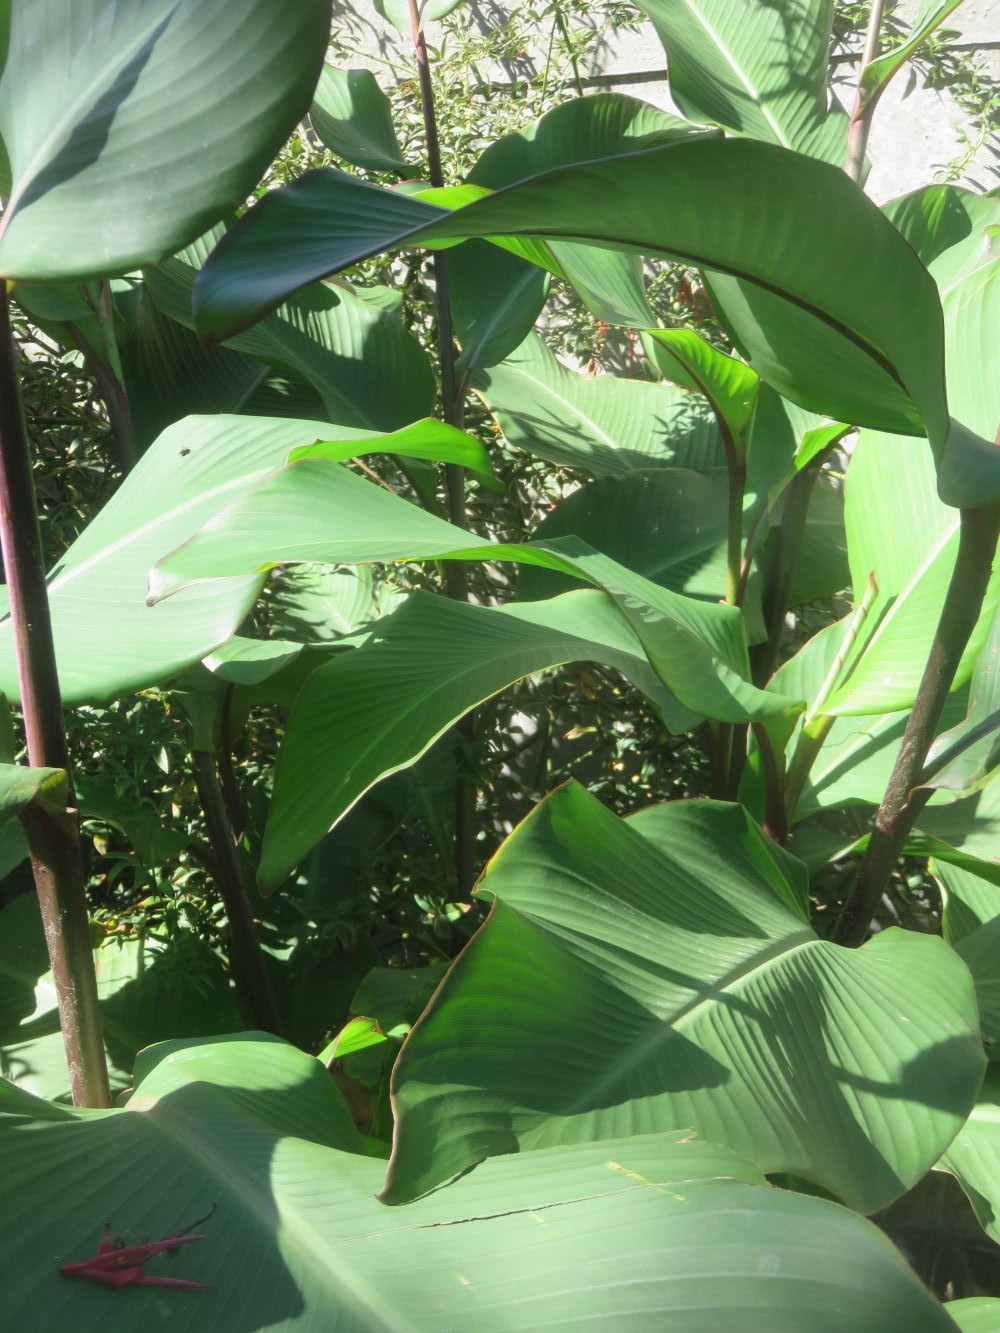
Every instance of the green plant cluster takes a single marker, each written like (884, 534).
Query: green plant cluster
(540, 813)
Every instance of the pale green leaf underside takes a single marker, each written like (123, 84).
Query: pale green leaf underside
(617, 986)
(316, 511)
(600, 424)
(375, 710)
(758, 68)
(653, 1230)
(108, 640)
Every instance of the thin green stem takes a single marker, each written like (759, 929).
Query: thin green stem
(904, 799)
(775, 818)
(737, 470)
(764, 658)
(863, 111)
(815, 723)
(53, 835)
(988, 725)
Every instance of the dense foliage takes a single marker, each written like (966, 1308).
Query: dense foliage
(521, 746)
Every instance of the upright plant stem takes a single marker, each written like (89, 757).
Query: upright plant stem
(116, 399)
(903, 799)
(253, 984)
(733, 739)
(53, 834)
(764, 658)
(861, 115)
(453, 410)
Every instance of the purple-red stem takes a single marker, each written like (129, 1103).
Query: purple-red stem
(53, 834)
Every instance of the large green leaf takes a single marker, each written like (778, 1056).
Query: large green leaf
(668, 524)
(970, 826)
(169, 375)
(975, 1314)
(108, 640)
(399, 14)
(132, 126)
(600, 424)
(797, 231)
(373, 711)
(319, 604)
(934, 218)
(650, 1231)
(619, 985)
(582, 130)
(495, 300)
(731, 388)
(968, 279)
(758, 68)
(366, 367)
(875, 75)
(964, 755)
(974, 1157)
(898, 530)
(353, 118)
(19, 785)
(971, 922)
(313, 510)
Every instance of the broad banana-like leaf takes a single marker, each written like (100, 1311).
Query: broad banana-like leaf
(877, 73)
(619, 984)
(399, 14)
(108, 640)
(132, 126)
(599, 424)
(793, 231)
(653, 1230)
(169, 375)
(758, 68)
(974, 1157)
(971, 924)
(975, 1314)
(320, 605)
(495, 300)
(970, 827)
(899, 531)
(582, 130)
(730, 386)
(313, 510)
(374, 711)
(934, 218)
(964, 755)
(968, 279)
(668, 524)
(19, 785)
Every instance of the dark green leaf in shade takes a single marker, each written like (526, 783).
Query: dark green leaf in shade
(353, 118)
(121, 148)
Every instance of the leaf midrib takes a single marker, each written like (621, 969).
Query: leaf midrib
(752, 91)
